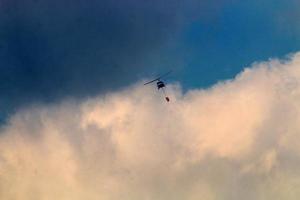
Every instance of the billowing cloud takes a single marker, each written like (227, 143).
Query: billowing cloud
(236, 140)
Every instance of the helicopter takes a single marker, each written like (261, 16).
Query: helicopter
(160, 84)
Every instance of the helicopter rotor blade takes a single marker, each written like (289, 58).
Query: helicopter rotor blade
(157, 79)
(166, 74)
(151, 81)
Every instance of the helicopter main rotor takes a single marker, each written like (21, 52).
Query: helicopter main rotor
(158, 79)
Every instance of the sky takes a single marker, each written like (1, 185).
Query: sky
(73, 108)
(55, 49)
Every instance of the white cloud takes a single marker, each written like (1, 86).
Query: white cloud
(236, 140)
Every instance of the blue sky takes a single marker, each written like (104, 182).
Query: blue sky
(51, 50)
(241, 33)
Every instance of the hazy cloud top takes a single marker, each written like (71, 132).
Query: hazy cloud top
(236, 140)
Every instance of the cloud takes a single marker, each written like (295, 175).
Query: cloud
(235, 140)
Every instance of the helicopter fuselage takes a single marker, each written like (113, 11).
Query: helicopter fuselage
(160, 84)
